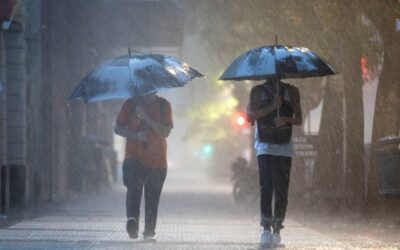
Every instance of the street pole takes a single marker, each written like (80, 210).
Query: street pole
(4, 170)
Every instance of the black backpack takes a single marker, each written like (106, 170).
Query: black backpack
(266, 129)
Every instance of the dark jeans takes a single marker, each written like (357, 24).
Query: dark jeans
(274, 173)
(136, 178)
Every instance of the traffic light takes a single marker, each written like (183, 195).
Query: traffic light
(208, 150)
(239, 123)
(239, 120)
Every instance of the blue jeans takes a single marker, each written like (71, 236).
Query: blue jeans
(137, 177)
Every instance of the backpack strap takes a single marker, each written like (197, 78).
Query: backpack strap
(289, 89)
(163, 107)
(132, 104)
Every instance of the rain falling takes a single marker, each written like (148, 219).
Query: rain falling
(199, 124)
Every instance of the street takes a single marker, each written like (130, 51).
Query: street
(195, 213)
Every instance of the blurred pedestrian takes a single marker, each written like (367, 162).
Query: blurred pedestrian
(275, 107)
(145, 122)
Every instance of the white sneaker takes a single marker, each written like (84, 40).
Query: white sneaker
(276, 239)
(266, 238)
(150, 238)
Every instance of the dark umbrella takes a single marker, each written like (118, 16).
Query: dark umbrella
(277, 61)
(133, 75)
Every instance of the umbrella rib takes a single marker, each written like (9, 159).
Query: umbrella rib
(164, 65)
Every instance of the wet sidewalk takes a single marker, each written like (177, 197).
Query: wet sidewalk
(195, 213)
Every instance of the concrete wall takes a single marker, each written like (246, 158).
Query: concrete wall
(16, 98)
(16, 110)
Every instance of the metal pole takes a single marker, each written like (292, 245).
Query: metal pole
(276, 73)
(277, 92)
(4, 169)
(3, 103)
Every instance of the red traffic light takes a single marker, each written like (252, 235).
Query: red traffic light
(239, 120)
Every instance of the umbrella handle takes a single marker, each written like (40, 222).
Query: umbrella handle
(277, 92)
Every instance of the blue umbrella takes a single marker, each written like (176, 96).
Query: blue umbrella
(133, 75)
(277, 61)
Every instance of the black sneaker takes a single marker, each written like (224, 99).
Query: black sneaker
(132, 228)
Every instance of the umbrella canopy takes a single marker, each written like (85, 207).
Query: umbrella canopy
(133, 75)
(277, 61)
